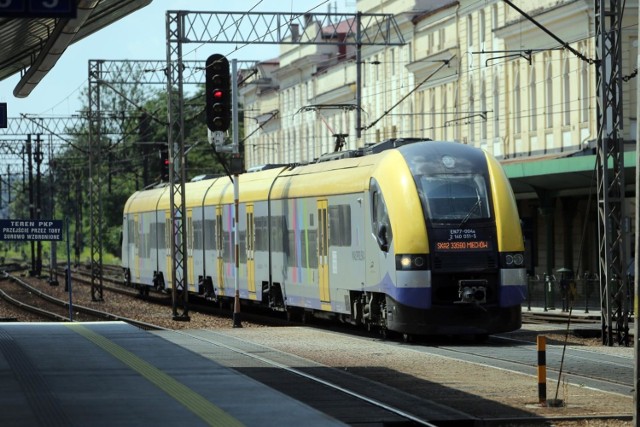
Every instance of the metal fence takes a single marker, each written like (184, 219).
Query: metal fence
(557, 292)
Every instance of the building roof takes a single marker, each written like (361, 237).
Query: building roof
(34, 45)
(561, 176)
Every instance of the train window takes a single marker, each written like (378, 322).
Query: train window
(153, 238)
(340, 225)
(262, 236)
(189, 233)
(279, 234)
(197, 234)
(131, 231)
(227, 242)
(292, 256)
(456, 197)
(242, 246)
(380, 223)
(159, 234)
(209, 234)
(310, 255)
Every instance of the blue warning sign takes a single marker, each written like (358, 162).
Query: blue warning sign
(28, 230)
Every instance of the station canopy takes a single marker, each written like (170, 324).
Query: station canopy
(32, 46)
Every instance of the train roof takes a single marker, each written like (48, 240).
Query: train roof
(145, 200)
(327, 176)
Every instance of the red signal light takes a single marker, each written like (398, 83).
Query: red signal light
(217, 94)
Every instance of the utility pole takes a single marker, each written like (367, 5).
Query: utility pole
(610, 172)
(38, 205)
(32, 213)
(95, 179)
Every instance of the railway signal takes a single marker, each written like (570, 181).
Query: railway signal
(164, 164)
(218, 93)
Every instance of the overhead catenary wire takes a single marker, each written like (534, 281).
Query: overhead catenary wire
(444, 63)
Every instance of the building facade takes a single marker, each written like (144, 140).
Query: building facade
(475, 72)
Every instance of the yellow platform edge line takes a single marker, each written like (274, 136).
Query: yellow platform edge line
(196, 403)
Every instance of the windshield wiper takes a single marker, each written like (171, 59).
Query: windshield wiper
(475, 206)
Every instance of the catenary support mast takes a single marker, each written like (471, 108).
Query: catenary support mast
(610, 172)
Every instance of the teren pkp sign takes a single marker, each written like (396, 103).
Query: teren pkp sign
(29, 230)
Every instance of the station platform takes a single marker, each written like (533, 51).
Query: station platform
(113, 374)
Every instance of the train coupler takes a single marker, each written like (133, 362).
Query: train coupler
(472, 291)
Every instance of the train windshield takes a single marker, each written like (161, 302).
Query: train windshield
(454, 197)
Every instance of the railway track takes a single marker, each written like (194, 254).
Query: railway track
(19, 293)
(366, 387)
(400, 386)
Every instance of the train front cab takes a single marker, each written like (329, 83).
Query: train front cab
(460, 273)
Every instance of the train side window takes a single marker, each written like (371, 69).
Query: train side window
(160, 235)
(197, 234)
(340, 225)
(209, 234)
(380, 223)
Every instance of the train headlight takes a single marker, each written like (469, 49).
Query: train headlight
(518, 259)
(513, 259)
(412, 262)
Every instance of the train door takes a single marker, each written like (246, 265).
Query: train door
(323, 254)
(221, 248)
(251, 263)
(190, 264)
(168, 239)
(136, 254)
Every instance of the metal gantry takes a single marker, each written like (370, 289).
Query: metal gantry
(104, 74)
(243, 28)
(95, 185)
(610, 172)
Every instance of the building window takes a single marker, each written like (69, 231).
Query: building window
(481, 28)
(496, 107)
(494, 24)
(432, 115)
(483, 111)
(456, 114)
(472, 130)
(375, 61)
(517, 106)
(393, 61)
(566, 94)
(444, 114)
(469, 31)
(584, 93)
(533, 101)
(549, 97)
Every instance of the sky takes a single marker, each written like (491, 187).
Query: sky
(141, 36)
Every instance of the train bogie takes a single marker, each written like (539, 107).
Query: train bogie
(421, 238)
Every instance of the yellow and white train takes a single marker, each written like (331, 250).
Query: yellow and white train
(418, 237)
